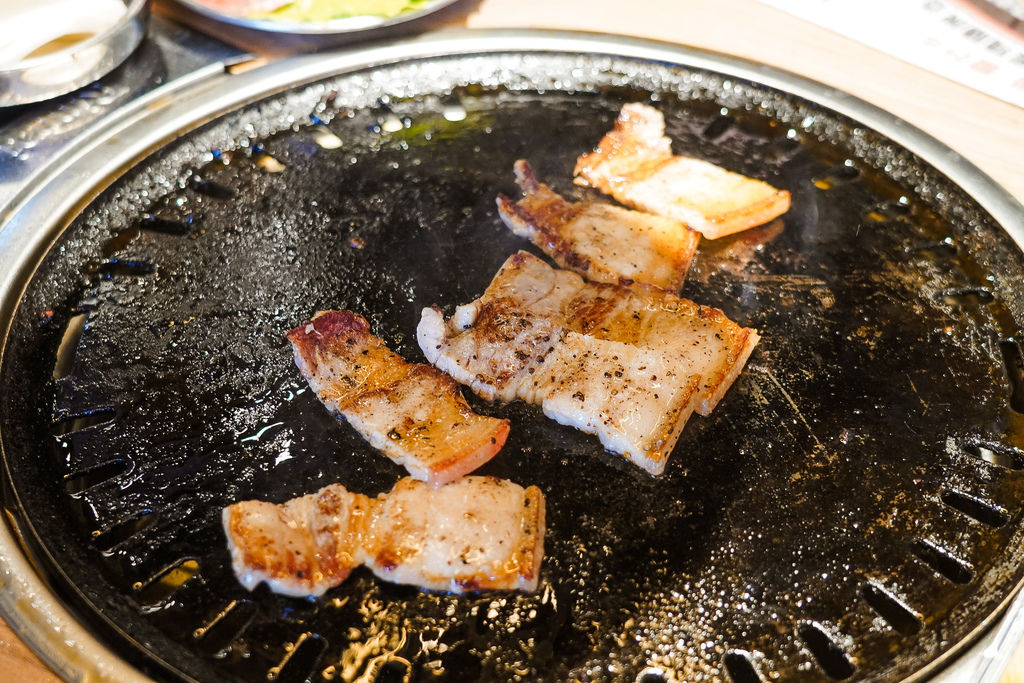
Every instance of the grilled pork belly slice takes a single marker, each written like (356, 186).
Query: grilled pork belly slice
(634, 163)
(495, 343)
(301, 547)
(634, 399)
(602, 242)
(413, 413)
(694, 339)
(477, 533)
(626, 363)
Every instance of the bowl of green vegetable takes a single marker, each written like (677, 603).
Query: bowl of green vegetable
(288, 26)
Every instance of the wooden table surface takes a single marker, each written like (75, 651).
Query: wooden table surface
(987, 131)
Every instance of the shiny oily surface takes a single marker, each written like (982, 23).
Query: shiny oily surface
(848, 509)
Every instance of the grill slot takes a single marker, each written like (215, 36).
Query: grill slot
(393, 671)
(300, 660)
(1014, 373)
(148, 224)
(68, 345)
(738, 666)
(106, 541)
(213, 189)
(829, 656)
(226, 627)
(895, 613)
(943, 249)
(975, 508)
(75, 484)
(966, 296)
(84, 420)
(162, 586)
(112, 267)
(838, 175)
(896, 209)
(168, 226)
(719, 127)
(942, 561)
(997, 454)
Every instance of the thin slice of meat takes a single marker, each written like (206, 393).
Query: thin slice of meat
(636, 400)
(602, 242)
(477, 533)
(495, 343)
(301, 547)
(413, 413)
(626, 363)
(634, 163)
(694, 339)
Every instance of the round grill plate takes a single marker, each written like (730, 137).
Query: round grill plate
(851, 509)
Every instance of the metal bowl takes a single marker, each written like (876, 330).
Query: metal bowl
(268, 36)
(41, 78)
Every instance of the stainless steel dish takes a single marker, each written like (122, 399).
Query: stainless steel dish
(41, 78)
(38, 214)
(279, 37)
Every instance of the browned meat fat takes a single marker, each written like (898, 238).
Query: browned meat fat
(413, 413)
(476, 533)
(628, 364)
(634, 163)
(601, 241)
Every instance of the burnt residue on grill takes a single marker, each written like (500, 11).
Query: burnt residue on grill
(851, 509)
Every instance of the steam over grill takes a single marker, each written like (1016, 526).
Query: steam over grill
(851, 508)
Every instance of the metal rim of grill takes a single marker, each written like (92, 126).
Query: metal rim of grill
(100, 156)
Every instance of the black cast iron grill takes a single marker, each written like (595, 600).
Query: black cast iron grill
(850, 510)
